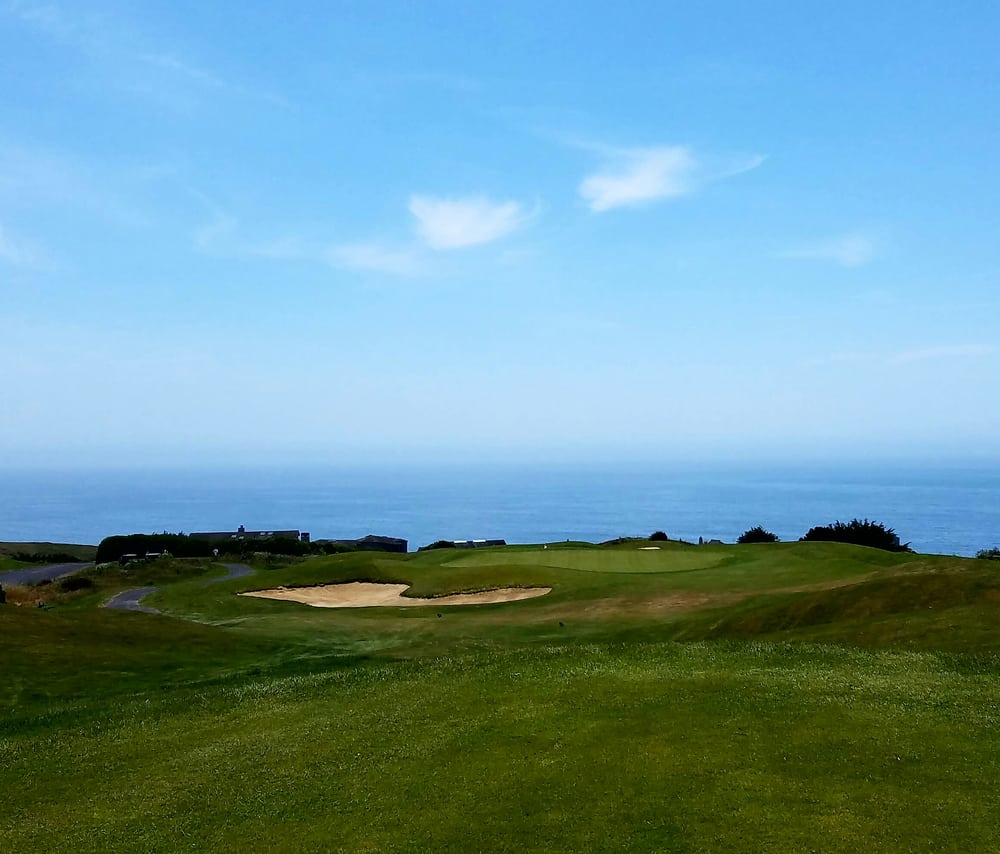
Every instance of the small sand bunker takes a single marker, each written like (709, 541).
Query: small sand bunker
(367, 594)
(649, 548)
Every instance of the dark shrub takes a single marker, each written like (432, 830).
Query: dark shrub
(439, 544)
(757, 535)
(264, 545)
(858, 532)
(328, 548)
(179, 545)
(659, 537)
(76, 582)
(989, 554)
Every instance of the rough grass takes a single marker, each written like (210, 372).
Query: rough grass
(28, 595)
(575, 721)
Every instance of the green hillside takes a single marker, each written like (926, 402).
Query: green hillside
(19, 555)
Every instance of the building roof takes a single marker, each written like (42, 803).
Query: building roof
(241, 534)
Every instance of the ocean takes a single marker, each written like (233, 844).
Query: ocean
(945, 509)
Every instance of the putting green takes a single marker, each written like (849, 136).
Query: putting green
(648, 560)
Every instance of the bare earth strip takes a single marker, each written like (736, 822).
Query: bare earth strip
(365, 594)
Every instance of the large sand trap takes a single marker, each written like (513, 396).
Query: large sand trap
(367, 594)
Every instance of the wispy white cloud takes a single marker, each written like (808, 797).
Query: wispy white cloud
(17, 252)
(441, 223)
(958, 351)
(848, 250)
(374, 257)
(641, 176)
(455, 223)
(635, 176)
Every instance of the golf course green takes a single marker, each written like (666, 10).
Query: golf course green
(657, 697)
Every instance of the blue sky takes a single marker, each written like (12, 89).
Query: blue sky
(436, 230)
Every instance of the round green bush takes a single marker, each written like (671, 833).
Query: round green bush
(757, 535)
(859, 532)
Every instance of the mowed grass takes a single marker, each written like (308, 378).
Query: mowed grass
(9, 563)
(662, 747)
(644, 558)
(651, 702)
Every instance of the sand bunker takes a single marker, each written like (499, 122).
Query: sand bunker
(366, 594)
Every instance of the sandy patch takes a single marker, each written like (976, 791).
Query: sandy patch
(649, 548)
(367, 594)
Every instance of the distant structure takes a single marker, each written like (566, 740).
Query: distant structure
(373, 543)
(242, 533)
(477, 544)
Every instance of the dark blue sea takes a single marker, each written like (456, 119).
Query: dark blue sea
(946, 509)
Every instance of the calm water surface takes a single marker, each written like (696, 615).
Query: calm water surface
(942, 509)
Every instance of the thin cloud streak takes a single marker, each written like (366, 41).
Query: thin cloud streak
(196, 76)
(46, 18)
(222, 236)
(17, 252)
(959, 351)
(282, 249)
(34, 178)
(185, 69)
(849, 250)
(374, 257)
(126, 57)
(906, 357)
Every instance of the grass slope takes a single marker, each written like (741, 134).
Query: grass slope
(80, 552)
(571, 722)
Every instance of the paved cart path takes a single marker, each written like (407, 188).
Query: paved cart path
(35, 574)
(128, 600)
(234, 570)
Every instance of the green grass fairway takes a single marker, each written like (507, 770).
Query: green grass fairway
(788, 697)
